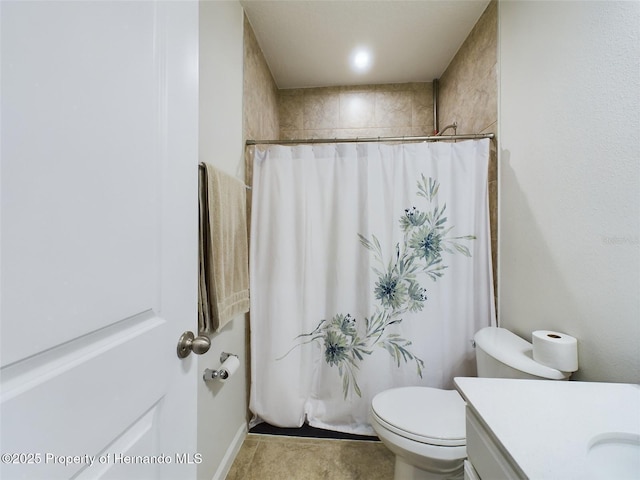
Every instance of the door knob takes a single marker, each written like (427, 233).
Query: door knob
(189, 343)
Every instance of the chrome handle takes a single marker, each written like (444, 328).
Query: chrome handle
(190, 343)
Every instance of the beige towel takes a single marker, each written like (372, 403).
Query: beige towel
(223, 287)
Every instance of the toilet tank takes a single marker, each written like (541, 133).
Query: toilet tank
(502, 354)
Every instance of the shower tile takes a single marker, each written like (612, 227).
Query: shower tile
(393, 87)
(291, 134)
(479, 105)
(482, 37)
(491, 128)
(359, 133)
(468, 88)
(393, 132)
(447, 99)
(321, 110)
(260, 98)
(393, 109)
(322, 133)
(358, 88)
(357, 109)
(291, 111)
(417, 86)
(423, 131)
(292, 92)
(422, 106)
(322, 90)
(375, 132)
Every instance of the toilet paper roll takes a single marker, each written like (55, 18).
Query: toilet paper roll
(228, 367)
(555, 350)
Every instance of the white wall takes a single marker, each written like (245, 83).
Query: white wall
(569, 240)
(221, 406)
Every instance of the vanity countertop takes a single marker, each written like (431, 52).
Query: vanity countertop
(558, 429)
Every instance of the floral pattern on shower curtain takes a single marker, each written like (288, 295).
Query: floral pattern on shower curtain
(370, 269)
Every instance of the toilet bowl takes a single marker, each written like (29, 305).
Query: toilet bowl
(425, 427)
(401, 419)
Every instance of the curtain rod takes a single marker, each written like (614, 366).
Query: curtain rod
(432, 138)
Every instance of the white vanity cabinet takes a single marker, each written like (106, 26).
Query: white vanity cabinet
(487, 459)
(542, 429)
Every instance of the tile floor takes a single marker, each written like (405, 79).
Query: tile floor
(272, 457)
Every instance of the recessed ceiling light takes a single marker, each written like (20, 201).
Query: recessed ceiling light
(361, 60)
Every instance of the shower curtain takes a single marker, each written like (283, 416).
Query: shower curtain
(370, 268)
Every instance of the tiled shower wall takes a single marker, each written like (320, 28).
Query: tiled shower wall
(260, 118)
(356, 111)
(468, 95)
(469, 87)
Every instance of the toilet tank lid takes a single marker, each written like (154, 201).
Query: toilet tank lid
(517, 353)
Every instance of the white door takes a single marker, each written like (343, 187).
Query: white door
(99, 239)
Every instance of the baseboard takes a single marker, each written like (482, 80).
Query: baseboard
(230, 455)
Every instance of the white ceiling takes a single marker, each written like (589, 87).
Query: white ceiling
(309, 43)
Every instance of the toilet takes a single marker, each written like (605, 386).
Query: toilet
(425, 427)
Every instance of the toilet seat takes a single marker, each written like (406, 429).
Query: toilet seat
(426, 415)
